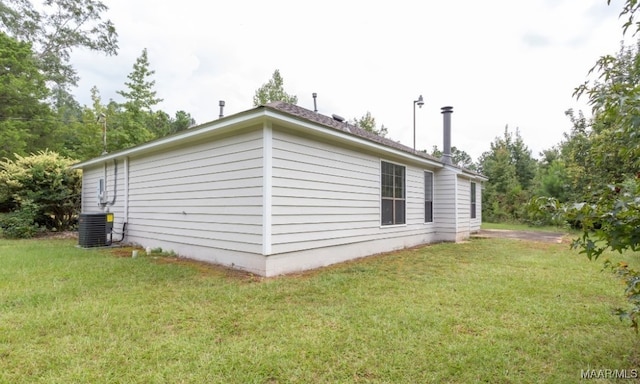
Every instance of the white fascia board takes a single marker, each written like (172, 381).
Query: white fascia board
(466, 174)
(191, 133)
(254, 116)
(473, 176)
(351, 139)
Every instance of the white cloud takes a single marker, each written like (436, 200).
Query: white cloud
(497, 62)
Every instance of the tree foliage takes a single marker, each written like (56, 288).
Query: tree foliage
(511, 170)
(368, 123)
(134, 122)
(140, 95)
(458, 157)
(44, 184)
(606, 151)
(273, 90)
(56, 28)
(25, 116)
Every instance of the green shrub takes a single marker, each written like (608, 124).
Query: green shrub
(543, 211)
(46, 180)
(20, 224)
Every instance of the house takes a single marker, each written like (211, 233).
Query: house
(279, 189)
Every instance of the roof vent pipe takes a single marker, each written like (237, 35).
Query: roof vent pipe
(221, 104)
(315, 106)
(446, 135)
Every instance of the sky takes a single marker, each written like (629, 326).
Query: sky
(499, 63)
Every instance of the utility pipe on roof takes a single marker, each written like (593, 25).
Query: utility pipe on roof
(446, 136)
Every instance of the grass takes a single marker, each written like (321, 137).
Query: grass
(491, 310)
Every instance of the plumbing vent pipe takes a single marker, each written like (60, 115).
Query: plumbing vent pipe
(446, 134)
(221, 104)
(315, 106)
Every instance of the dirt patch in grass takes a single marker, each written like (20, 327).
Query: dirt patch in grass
(207, 269)
(58, 235)
(538, 236)
(122, 251)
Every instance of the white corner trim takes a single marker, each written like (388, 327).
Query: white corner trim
(267, 183)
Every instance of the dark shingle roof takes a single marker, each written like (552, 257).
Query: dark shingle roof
(315, 117)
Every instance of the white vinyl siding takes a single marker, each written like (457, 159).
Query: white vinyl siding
(464, 197)
(207, 194)
(444, 211)
(324, 195)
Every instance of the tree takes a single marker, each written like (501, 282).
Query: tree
(134, 122)
(140, 95)
(502, 195)
(611, 220)
(25, 118)
(182, 121)
(629, 10)
(525, 164)
(458, 157)
(273, 90)
(55, 29)
(551, 181)
(511, 170)
(368, 123)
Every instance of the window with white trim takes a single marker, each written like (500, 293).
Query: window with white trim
(393, 191)
(428, 197)
(473, 200)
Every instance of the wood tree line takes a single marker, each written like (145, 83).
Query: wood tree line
(38, 111)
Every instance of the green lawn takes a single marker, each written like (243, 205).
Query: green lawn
(496, 311)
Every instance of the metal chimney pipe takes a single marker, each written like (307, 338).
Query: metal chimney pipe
(221, 104)
(446, 134)
(315, 106)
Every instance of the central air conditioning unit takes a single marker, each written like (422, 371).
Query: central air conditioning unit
(93, 229)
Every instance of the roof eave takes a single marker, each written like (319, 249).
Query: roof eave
(191, 133)
(348, 138)
(252, 116)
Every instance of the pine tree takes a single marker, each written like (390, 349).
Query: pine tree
(273, 90)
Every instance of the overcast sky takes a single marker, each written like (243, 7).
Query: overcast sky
(497, 62)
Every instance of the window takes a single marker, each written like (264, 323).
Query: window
(473, 200)
(393, 194)
(428, 197)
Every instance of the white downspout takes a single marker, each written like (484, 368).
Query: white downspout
(126, 191)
